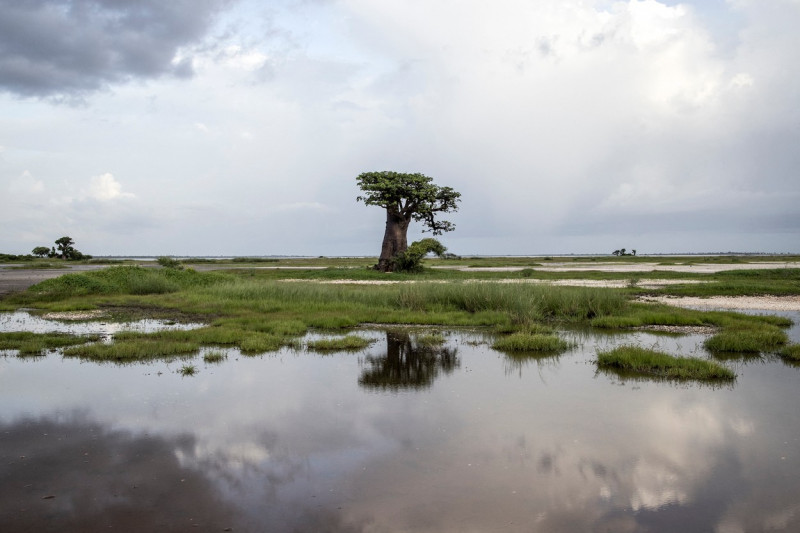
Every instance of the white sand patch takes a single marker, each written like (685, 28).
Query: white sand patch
(767, 303)
(74, 315)
(698, 268)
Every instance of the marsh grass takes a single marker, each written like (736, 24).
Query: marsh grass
(747, 340)
(129, 351)
(531, 342)
(791, 352)
(36, 344)
(646, 362)
(214, 356)
(258, 312)
(642, 314)
(188, 370)
(349, 343)
(430, 339)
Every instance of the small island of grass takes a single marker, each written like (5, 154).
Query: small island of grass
(648, 362)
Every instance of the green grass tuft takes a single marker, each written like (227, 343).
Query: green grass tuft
(36, 344)
(791, 351)
(350, 343)
(129, 351)
(531, 342)
(188, 370)
(643, 361)
(430, 339)
(765, 339)
(214, 356)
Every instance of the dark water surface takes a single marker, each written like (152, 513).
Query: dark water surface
(397, 439)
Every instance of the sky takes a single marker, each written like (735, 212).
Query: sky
(238, 127)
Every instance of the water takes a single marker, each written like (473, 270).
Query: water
(394, 439)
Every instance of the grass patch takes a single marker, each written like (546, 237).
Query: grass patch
(791, 351)
(766, 339)
(130, 351)
(36, 344)
(188, 370)
(350, 343)
(214, 356)
(646, 362)
(430, 339)
(531, 342)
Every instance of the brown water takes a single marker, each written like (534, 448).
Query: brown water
(397, 439)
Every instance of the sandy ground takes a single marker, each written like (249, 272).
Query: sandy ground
(12, 280)
(767, 303)
(698, 268)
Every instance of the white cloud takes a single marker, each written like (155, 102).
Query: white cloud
(553, 118)
(105, 188)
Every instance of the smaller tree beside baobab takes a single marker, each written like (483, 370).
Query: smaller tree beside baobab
(406, 197)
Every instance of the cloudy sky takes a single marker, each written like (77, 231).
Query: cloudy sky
(237, 127)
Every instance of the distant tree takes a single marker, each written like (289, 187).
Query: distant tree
(406, 197)
(633, 251)
(66, 250)
(41, 251)
(615, 252)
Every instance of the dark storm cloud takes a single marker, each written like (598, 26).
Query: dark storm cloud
(69, 47)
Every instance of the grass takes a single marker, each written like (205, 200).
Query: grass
(188, 370)
(766, 339)
(791, 352)
(646, 362)
(641, 314)
(36, 344)
(349, 343)
(531, 342)
(128, 351)
(430, 339)
(214, 356)
(258, 311)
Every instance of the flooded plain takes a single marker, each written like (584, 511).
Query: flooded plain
(399, 437)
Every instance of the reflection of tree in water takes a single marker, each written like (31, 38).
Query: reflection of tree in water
(407, 364)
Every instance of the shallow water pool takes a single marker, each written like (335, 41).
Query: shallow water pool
(398, 438)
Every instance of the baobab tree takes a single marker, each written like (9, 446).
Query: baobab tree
(406, 197)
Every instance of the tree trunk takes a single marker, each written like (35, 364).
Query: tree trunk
(395, 239)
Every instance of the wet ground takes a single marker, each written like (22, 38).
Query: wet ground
(399, 438)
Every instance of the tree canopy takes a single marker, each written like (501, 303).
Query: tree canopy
(410, 195)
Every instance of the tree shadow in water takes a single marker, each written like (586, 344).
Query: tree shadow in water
(407, 364)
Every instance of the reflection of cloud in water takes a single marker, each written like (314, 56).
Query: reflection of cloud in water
(71, 474)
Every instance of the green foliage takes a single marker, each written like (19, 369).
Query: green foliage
(214, 356)
(430, 339)
(411, 260)
(41, 251)
(66, 250)
(38, 343)
(169, 262)
(119, 280)
(647, 362)
(412, 196)
(791, 351)
(187, 370)
(128, 351)
(747, 340)
(531, 342)
(350, 343)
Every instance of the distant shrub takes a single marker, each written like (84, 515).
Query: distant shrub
(169, 262)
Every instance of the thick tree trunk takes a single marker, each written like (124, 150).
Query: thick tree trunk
(395, 240)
